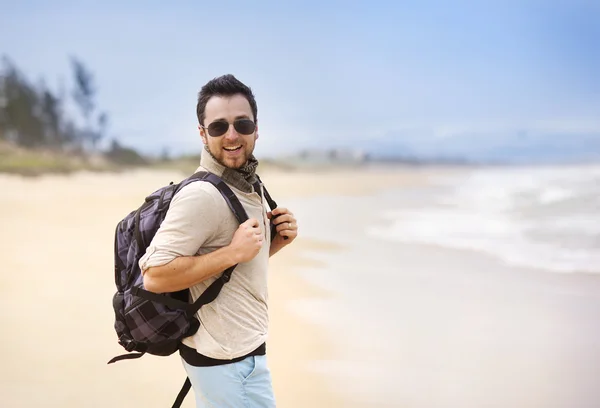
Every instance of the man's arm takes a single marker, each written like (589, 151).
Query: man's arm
(186, 271)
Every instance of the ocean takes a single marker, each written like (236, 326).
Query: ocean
(480, 288)
(541, 217)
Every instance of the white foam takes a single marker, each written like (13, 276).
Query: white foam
(506, 213)
(555, 194)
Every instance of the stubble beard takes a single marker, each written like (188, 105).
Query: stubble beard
(220, 158)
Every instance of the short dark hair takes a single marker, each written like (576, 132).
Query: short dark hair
(225, 85)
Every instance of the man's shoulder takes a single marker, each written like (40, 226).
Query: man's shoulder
(199, 192)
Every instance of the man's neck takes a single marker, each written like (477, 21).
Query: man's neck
(242, 178)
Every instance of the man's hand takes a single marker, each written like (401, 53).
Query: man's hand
(247, 241)
(286, 226)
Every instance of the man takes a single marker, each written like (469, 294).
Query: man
(200, 238)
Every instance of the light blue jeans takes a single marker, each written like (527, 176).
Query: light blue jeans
(245, 384)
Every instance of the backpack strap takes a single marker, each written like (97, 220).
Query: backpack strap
(126, 357)
(230, 198)
(187, 385)
(270, 201)
(236, 207)
(272, 206)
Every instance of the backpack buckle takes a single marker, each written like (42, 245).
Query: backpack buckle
(128, 345)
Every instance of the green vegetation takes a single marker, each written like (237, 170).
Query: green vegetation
(32, 162)
(37, 135)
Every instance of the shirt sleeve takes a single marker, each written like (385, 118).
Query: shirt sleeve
(190, 222)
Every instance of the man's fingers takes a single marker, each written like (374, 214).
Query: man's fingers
(278, 211)
(283, 219)
(286, 222)
(281, 211)
(289, 233)
(285, 226)
(251, 223)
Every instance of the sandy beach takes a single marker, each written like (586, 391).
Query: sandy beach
(460, 328)
(57, 282)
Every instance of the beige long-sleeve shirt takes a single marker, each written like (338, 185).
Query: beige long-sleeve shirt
(198, 222)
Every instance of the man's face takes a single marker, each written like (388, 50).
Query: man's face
(231, 149)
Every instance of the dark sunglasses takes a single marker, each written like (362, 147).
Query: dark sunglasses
(220, 127)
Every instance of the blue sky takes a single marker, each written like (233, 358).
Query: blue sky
(429, 76)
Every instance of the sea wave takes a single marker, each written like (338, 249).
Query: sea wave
(542, 217)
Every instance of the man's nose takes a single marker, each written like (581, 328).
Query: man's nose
(231, 132)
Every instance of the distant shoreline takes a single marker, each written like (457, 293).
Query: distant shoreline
(34, 163)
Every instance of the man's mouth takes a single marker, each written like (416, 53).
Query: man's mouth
(233, 148)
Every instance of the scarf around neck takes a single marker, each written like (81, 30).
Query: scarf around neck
(243, 178)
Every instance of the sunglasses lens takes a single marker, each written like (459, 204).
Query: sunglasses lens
(217, 128)
(244, 126)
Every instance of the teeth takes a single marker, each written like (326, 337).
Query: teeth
(232, 148)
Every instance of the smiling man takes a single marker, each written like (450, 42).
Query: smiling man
(200, 238)
(234, 149)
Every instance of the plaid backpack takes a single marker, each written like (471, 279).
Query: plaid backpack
(153, 323)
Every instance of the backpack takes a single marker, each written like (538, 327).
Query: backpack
(147, 322)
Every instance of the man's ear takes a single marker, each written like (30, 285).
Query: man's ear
(202, 134)
(256, 133)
